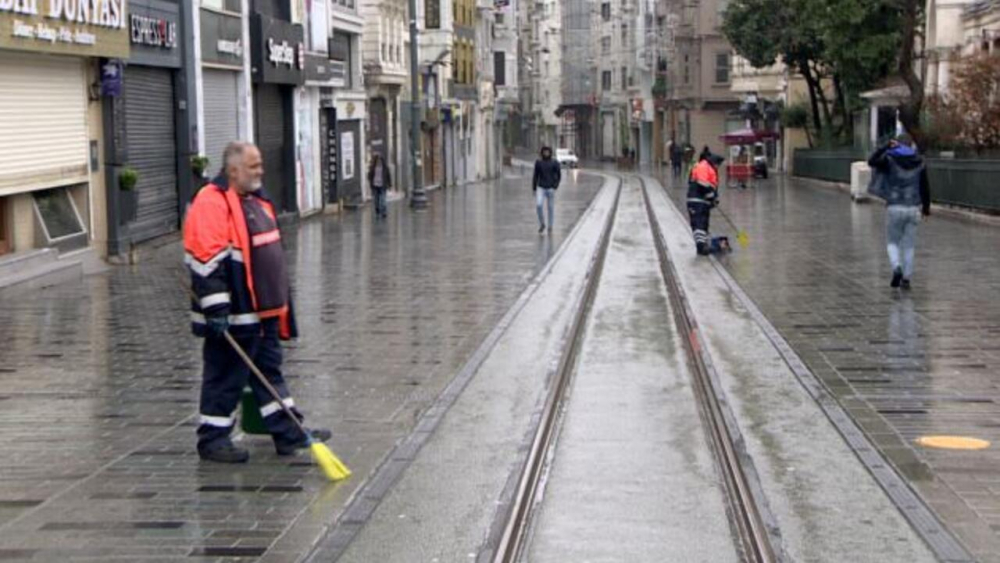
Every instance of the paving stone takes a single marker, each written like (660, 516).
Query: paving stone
(100, 380)
(902, 364)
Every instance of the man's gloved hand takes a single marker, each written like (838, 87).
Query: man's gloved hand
(217, 326)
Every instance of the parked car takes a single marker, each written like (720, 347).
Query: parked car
(566, 158)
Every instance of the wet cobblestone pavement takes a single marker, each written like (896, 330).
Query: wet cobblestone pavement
(99, 381)
(904, 365)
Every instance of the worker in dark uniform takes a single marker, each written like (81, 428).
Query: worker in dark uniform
(238, 272)
(703, 195)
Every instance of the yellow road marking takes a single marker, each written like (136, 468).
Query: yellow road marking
(953, 442)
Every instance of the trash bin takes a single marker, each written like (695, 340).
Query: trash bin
(861, 175)
(251, 421)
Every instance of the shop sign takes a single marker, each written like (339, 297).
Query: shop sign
(154, 32)
(329, 156)
(323, 71)
(71, 27)
(111, 78)
(284, 54)
(277, 51)
(234, 48)
(154, 28)
(222, 39)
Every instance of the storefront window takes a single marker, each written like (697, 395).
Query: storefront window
(58, 214)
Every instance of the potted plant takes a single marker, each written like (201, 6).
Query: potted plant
(128, 196)
(199, 164)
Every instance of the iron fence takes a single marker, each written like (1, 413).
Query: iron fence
(965, 182)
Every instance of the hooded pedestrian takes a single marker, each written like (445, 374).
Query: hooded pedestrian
(240, 277)
(900, 178)
(676, 159)
(380, 180)
(703, 195)
(544, 184)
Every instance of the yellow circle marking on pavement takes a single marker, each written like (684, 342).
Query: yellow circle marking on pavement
(953, 442)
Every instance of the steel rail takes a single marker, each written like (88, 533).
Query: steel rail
(753, 533)
(512, 541)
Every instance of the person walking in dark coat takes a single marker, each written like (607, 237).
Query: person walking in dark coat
(676, 158)
(904, 186)
(544, 184)
(380, 180)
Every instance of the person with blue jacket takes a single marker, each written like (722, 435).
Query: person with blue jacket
(900, 175)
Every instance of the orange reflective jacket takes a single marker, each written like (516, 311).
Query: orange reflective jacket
(703, 183)
(218, 252)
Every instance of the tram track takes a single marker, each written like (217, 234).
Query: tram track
(755, 541)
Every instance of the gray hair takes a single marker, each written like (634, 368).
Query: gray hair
(234, 150)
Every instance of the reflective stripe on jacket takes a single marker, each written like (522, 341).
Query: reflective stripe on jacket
(217, 249)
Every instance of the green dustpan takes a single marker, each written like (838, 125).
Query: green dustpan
(251, 422)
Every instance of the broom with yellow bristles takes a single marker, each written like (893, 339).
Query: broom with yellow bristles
(332, 467)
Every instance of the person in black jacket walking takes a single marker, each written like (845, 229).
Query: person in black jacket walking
(904, 187)
(380, 180)
(544, 184)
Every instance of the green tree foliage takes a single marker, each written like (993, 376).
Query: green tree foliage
(840, 47)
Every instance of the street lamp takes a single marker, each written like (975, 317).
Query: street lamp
(418, 198)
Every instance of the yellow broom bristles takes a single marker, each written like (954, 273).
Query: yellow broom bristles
(332, 467)
(743, 238)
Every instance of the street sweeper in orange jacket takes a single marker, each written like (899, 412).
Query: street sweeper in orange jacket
(239, 276)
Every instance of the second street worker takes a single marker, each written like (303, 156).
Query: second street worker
(238, 272)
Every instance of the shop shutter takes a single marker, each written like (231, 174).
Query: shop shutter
(152, 151)
(272, 122)
(222, 120)
(43, 121)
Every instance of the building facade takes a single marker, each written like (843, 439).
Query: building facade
(149, 126)
(505, 73)
(350, 102)
(945, 39)
(545, 44)
(385, 64)
(615, 56)
(699, 103)
(53, 191)
(578, 114)
(485, 153)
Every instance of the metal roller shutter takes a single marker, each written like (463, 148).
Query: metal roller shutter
(222, 119)
(150, 139)
(43, 121)
(271, 129)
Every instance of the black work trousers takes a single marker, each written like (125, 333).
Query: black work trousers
(700, 213)
(224, 377)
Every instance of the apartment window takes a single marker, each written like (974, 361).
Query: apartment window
(500, 68)
(340, 50)
(499, 18)
(624, 36)
(722, 68)
(345, 3)
(687, 69)
(223, 5)
(432, 14)
(721, 6)
(606, 81)
(605, 46)
(606, 11)
(624, 77)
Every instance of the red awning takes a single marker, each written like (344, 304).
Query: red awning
(748, 136)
